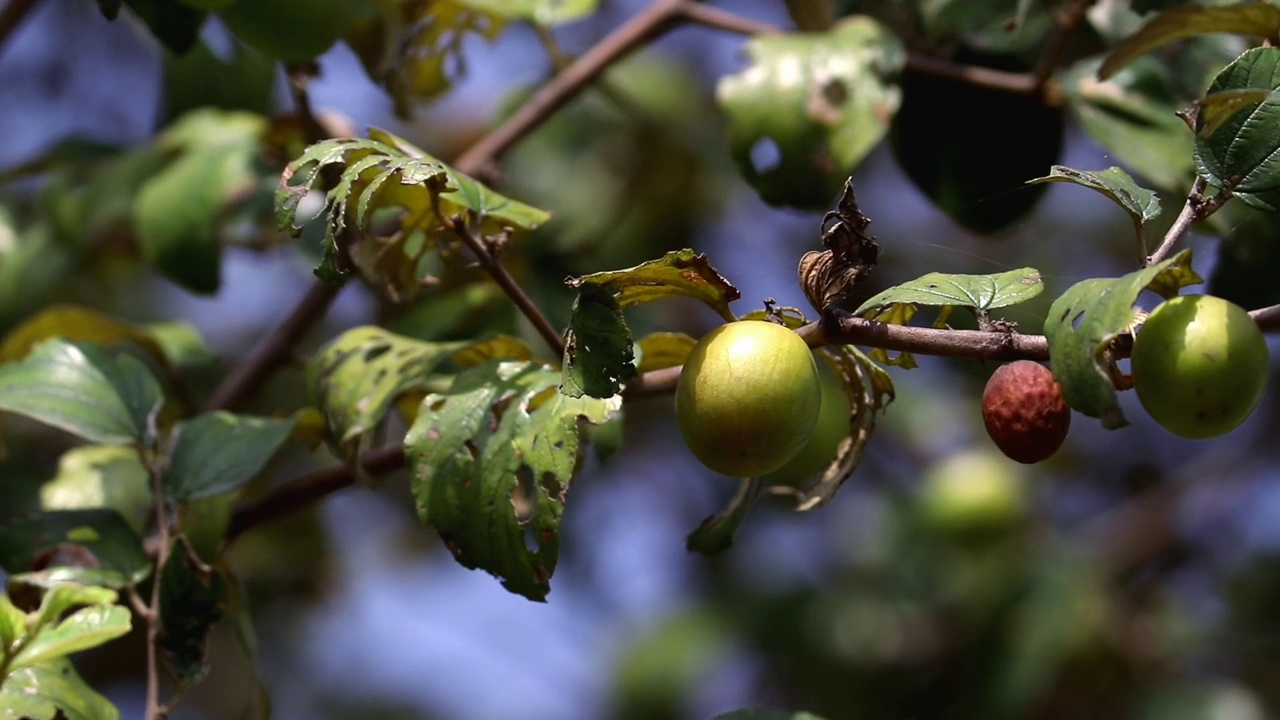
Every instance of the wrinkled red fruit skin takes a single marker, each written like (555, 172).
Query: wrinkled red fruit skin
(1024, 412)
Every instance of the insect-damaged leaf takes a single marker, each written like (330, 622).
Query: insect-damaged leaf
(598, 356)
(492, 460)
(680, 272)
(1243, 153)
(1083, 322)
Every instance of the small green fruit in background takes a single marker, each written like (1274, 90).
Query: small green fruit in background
(1024, 411)
(289, 30)
(748, 398)
(972, 492)
(1199, 365)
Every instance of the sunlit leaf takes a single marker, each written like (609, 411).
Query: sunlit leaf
(598, 355)
(98, 540)
(810, 107)
(356, 377)
(678, 273)
(539, 12)
(83, 629)
(51, 691)
(178, 211)
(976, 292)
(1083, 322)
(220, 451)
(663, 350)
(1142, 204)
(174, 344)
(1244, 151)
(492, 460)
(387, 172)
(1260, 19)
(101, 476)
(82, 390)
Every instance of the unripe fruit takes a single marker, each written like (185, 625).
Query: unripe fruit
(1199, 365)
(1024, 411)
(748, 398)
(972, 492)
(834, 422)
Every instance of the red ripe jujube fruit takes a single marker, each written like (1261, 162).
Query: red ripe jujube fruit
(1024, 411)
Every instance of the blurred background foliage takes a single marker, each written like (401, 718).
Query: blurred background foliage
(1134, 575)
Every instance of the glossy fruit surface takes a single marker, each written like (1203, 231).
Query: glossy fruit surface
(1024, 411)
(289, 30)
(1199, 365)
(748, 398)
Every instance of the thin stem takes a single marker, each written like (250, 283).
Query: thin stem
(12, 16)
(155, 710)
(303, 491)
(1068, 24)
(711, 17)
(245, 379)
(650, 23)
(1197, 208)
(1017, 83)
(1268, 318)
(494, 267)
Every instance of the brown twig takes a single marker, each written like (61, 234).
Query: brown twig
(1268, 318)
(249, 375)
(12, 16)
(1068, 23)
(153, 618)
(1197, 208)
(696, 12)
(303, 491)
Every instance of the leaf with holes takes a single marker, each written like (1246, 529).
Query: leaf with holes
(97, 540)
(192, 600)
(218, 452)
(1084, 321)
(678, 273)
(492, 460)
(1244, 151)
(1142, 204)
(386, 172)
(816, 104)
(598, 356)
(84, 391)
(1260, 19)
(356, 377)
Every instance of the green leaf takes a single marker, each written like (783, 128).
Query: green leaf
(199, 78)
(598, 356)
(356, 377)
(1142, 204)
(82, 390)
(77, 324)
(546, 13)
(181, 343)
(663, 350)
(1244, 153)
(13, 625)
(1260, 19)
(976, 171)
(977, 292)
(386, 172)
(492, 461)
(762, 714)
(680, 272)
(61, 598)
(42, 691)
(33, 266)
(83, 629)
(178, 211)
(98, 540)
(218, 452)
(819, 102)
(1134, 117)
(870, 390)
(174, 23)
(715, 533)
(192, 600)
(1083, 322)
(101, 476)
